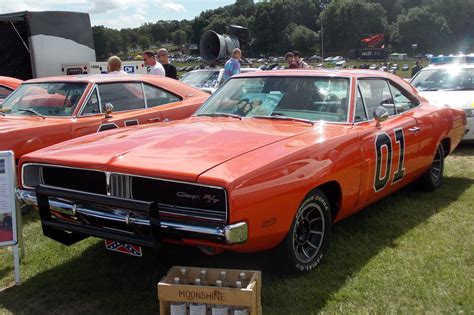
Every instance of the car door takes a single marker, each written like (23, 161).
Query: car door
(389, 148)
(129, 108)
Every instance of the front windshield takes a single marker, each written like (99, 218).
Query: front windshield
(455, 78)
(48, 99)
(310, 98)
(201, 79)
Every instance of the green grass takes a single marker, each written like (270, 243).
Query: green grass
(412, 252)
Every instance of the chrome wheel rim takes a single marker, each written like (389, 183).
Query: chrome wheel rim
(436, 167)
(308, 233)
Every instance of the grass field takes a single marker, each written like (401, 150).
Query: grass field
(412, 252)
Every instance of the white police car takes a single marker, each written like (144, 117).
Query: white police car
(449, 84)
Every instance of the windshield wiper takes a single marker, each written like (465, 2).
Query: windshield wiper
(429, 90)
(3, 114)
(219, 114)
(283, 117)
(29, 110)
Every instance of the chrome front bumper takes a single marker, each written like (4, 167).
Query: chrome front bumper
(230, 234)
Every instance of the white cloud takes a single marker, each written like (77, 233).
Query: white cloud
(174, 7)
(121, 21)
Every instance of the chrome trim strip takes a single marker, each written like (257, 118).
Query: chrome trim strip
(69, 208)
(131, 175)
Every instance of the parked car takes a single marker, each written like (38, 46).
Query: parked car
(7, 85)
(314, 58)
(328, 59)
(373, 67)
(341, 64)
(272, 160)
(209, 80)
(337, 58)
(46, 111)
(451, 85)
(405, 67)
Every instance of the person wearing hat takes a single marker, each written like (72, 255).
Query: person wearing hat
(290, 58)
(163, 58)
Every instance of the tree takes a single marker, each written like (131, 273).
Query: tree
(346, 21)
(144, 42)
(425, 28)
(179, 37)
(303, 39)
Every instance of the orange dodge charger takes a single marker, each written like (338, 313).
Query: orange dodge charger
(45, 111)
(271, 160)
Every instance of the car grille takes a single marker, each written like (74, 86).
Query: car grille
(175, 199)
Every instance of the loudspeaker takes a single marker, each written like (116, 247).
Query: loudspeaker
(215, 46)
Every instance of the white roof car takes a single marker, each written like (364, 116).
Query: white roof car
(208, 80)
(451, 85)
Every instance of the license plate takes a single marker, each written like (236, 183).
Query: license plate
(124, 248)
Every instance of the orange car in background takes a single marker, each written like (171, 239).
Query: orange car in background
(7, 85)
(45, 111)
(271, 160)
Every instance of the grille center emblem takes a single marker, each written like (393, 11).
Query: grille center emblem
(182, 194)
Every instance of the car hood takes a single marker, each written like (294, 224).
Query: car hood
(12, 123)
(177, 150)
(454, 99)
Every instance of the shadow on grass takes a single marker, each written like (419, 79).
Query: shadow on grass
(103, 282)
(464, 149)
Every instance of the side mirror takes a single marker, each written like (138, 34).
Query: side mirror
(108, 109)
(380, 114)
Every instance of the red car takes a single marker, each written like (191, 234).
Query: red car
(7, 85)
(46, 111)
(272, 159)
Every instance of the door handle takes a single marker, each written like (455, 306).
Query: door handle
(414, 129)
(154, 119)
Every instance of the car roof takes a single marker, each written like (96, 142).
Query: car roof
(173, 85)
(100, 78)
(10, 81)
(450, 66)
(321, 72)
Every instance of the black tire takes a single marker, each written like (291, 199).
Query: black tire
(433, 177)
(305, 245)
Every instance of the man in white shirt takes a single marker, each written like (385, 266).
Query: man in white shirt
(155, 67)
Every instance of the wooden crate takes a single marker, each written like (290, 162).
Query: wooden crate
(249, 296)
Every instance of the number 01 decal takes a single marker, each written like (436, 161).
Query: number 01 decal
(382, 141)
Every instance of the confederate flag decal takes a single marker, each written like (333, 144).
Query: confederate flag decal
(123, 248)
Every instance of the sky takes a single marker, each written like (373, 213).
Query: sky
(119, 13)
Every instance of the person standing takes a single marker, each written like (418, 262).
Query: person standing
(163, 58)
(155, 67)
(299, 61)
(416, 68)
(232, 66)
(114, 66)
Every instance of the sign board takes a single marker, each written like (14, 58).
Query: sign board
(8, 226)
(129, 69)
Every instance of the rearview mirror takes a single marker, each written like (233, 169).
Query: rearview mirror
(380, 114)
(108, 109)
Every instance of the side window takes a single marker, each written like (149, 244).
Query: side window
(92, 106)
(4, 91)
(157, 97)
(401, 99)
(123, 96)
(360, 114)
(375, 93)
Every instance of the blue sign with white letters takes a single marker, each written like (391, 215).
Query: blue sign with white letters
(129, 69)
